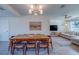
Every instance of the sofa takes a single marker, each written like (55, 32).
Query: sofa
(73, 38)
(66, 35)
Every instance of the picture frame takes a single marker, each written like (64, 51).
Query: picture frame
(35, 25)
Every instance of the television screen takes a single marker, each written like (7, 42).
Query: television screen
(53, 28)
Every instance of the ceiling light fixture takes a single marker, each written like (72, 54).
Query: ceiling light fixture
(35, 9)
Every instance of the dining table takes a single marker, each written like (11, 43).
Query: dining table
(35, 37)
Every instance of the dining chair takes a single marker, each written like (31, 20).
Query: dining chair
(31, 45)
(18, 45)
(50, 41)
(43, 44)
(31, 42)
(10, 43)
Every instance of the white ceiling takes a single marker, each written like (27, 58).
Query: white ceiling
(53, 10)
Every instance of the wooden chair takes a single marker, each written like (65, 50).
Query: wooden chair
(10, 43)
(18, 45)
(43, 44)
(50, 41)
(31, 44)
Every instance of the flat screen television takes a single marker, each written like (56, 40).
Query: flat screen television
(53, 27)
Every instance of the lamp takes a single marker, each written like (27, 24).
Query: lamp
(35, 9)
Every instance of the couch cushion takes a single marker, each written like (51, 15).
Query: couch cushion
(75, 37)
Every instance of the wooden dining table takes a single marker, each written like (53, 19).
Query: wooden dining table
(35, 37)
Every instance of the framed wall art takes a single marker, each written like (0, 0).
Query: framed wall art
(35, 25)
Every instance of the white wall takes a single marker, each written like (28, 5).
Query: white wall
(59, 22)
(4, 30)
(20, 25)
